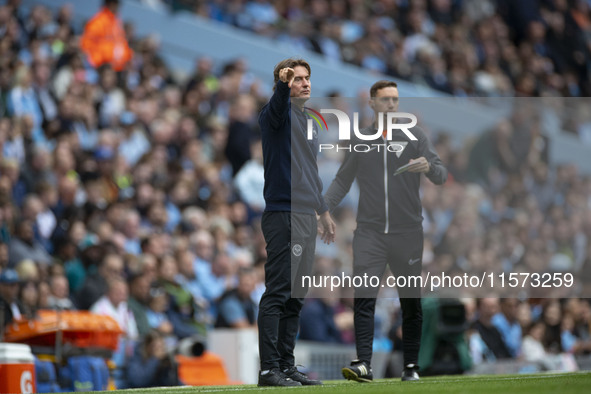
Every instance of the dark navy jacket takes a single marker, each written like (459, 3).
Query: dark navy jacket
(387, 203)
(291, 172)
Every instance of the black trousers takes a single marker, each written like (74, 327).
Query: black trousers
(291, 242)
(372, 251)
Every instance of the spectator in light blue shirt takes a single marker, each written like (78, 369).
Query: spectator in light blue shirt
(188, 279)
(22, 101)
(250, 180)
(569, 341)
(215, 278)
(13, 146)
(235, 307)
(134, 143)
(157, 317)
(507, 324)
(202, 245)
(258, 15)
(131, 230)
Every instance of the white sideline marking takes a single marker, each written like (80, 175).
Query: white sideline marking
(467, 378)
(203, 389)
(492, 379)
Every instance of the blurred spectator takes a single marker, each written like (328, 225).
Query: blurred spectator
(104, 39)
(3, 255)
(139, 293)
(491, 153)
(204, 74)
(583, 323)
(187, 277)
(111, 100)
(250, 179)
(217, 277)
(202, 243)
(95, 286)
(240, 131)
(575, 334)
(158, 305)
(492, 346)
(11, 171)
(101, 187)
(568, 340)
(60, 294)
(9, 303)
(84, 261)
(24, 246)
(28, 295)
(44, 293)
(45, 219)
(66, 254)
(152, 365)
(38, 169)
(524, 316)
(45, 97)
(23, 101)
(507, 324)
(258, 15)
(185, 315)
(318, 322)
(134, 143)
(534, 351)
(13, 146)
(114, 304)
(551, 317)
(131, 229)
(235, 307)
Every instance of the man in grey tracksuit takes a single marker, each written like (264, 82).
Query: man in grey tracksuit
(389, 224)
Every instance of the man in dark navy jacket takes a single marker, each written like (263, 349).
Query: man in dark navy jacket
(293, 197)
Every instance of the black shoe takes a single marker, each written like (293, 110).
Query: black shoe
(359, 371)
(276, 378)
(301, 377)
(410, 372)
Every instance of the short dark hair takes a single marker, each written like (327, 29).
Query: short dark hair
(373, 91)
(291, 63)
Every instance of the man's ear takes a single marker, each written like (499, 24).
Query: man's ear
(372, 103)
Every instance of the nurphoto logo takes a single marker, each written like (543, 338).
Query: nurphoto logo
(344, 123)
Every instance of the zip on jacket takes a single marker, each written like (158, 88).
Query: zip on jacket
(387, 203)
(289, 158)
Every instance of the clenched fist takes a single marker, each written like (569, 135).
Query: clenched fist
(287, 75)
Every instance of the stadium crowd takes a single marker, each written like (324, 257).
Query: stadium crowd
(487, 48)
(484, 48)
(138, 196)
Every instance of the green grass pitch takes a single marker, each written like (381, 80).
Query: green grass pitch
(550, 383)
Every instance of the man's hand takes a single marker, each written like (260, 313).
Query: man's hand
(287, 74)
(419, 165)
(326, 228)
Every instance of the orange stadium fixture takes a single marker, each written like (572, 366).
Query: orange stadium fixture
(205, 370)
(79, 328)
